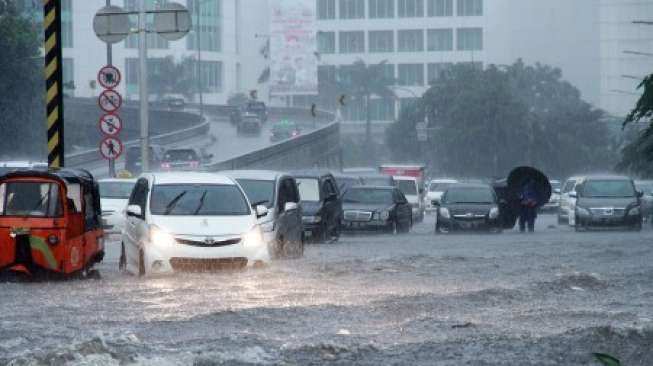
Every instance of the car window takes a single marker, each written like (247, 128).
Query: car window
(34, 199)
(309, 189)
(198, 200)
(469, 195)
(407, 187)
(439, 187)
(607, 188)
(368, 196)
(259, 191)
(181, 155)
(139, 194)
(117, 190)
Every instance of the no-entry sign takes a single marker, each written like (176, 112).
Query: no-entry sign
(110, 101)
(110, 124)
(109, 77)
(111, 148)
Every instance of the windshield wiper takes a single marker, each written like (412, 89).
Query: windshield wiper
(171, 205)
(199, 207)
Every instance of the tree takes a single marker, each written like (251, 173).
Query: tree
(638, 154)
(166, 77)
(485, 122)
(22, 87)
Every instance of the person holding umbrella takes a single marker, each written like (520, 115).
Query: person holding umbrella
(528, 200)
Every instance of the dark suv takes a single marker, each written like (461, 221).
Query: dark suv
(133, 159)
(321, 205)
(607, 201)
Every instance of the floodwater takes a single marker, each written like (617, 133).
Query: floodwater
(549, 298)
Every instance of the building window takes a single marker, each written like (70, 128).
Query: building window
(410, 8)
(470, 39)
(468, 8)
(354, 110)
(410, 40)
(439, 40)
(411, 74)
(211, 72)
(153, 40)
(326, 9)
(440, 8)
(382, 109)
(435, 71)
(381, 9)
(352, 9)
(210, 25)
(352, 42)
(326, 74)
(382, 41)
(67, 24)
(326, 42)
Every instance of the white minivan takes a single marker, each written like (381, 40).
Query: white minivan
(409, 186)
(193, 222)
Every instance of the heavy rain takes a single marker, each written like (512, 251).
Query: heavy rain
(326, 182)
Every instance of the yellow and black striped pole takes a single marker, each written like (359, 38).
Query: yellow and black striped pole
(54, 82)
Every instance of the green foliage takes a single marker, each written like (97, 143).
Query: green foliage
(170, 77)
(485, 122)
(638, 154)
(22, 87)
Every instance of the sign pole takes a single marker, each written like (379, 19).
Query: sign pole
(112, 162)
(142, 88)
(54, 82)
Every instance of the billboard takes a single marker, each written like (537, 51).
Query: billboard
(293, 46)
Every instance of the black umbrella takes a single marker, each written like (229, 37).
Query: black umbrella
(521, 176)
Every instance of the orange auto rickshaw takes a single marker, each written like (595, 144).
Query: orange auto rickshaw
(50, 223)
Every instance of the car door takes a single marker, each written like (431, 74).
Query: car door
(135, 227)
(290, 222)
(404, 211)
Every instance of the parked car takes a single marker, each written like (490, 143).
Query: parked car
(282, 226)
(321, 205)
(174, 103)
(646, 187)
(133, 159)
(378, 180)
(376, 208)
(468, 207)
(284, 130)
(181, 159)
(114, 195)
(435, 190)
(345, 181)
(257, 108)
(607, 201)
(554, 201)
(409, 186)
(567, 203)
(50, 223)
(250, 124)
(188, 221)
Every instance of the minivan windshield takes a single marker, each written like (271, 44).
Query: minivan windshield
(608, 188)
(259, 191)
(368, 196)
(469, 195)
(198, 199)
(309, 189)
(439, 187)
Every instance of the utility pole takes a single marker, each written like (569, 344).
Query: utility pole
(142, 88)
(198, 4)
(112, 162)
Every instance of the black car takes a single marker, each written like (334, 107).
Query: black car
(249, 124)
(321, 205)
(378, 180)
(235, 115)
(257, 108)
(468, 207)
(376, 208)
(607, 201)
(345, 181)
(181, 159)
(133, 158)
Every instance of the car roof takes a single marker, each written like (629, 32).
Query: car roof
(314, 173)
(117, 180)
(444, 180)
(401, 177)
(189, 178)
(606, 177)
(254, 174)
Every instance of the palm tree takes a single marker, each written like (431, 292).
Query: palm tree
(362, 82)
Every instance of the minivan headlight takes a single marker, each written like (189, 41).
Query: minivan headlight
(444, 212)
(254, 238)
(634, 211)
(494, 212)
(159, 236)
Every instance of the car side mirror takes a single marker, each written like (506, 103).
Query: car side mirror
(557, 191)
(290, 206)
(573, 194)
(261, 211)
(134, 210)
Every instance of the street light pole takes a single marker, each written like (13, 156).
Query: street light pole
(142, 87)
(112, 162)
(198, 4)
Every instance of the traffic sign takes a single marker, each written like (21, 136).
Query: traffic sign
(111, 24)
(172, 21)
(111, 148)
(110, 101)
(110, 124)
(109, 77)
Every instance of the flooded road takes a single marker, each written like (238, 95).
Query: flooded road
(550, 298)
